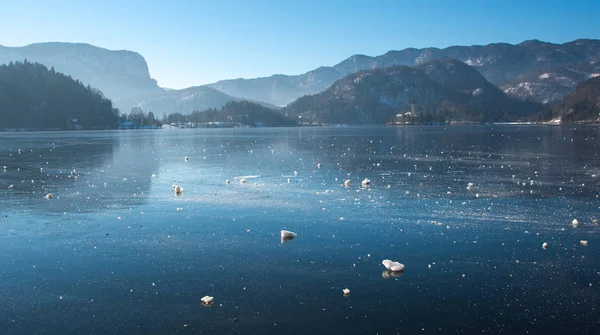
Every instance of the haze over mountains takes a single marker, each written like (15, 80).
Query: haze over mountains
(532, 70)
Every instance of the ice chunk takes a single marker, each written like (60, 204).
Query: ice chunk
(346, 292)
(393, 266)
(178, 189)
(207, 300)
(287, 236)
(366, 182)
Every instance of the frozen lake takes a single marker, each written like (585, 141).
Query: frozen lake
(116, 251)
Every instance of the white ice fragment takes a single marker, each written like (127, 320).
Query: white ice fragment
(545, 245)
(186, 158)
(319, 165)
(49, 196)
(470, 186)
(347, 182)
(287, 234)
(575, 223)
(243, 181)
(227, 181)
(207, 300)
(583, 243)
(366, 182)
(346, 292)
(393, 266)
(178, 189)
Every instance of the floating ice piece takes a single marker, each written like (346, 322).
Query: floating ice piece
(227, 181)
(347, 182)
(575, 223)
(584, 243)
(289, 180)
(470, 186)
(287, 236)
(207, 300)
(366, 182)
(186, 158)
(319, 165)
(545, 245)
(595, 221)
(295, 173)
(393, 266)
(178, 189)
(49, 196)
(346, 292)
(243, 181)
(154, 176)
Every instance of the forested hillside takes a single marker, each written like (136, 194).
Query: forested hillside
(33, 97)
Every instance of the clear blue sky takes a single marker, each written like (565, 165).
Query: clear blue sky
(196, 42)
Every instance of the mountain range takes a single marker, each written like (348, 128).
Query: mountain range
(444, 90)
(532, 70)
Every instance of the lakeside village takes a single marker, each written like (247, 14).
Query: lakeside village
(137, 119)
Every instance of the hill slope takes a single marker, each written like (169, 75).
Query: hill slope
(448, 89)
(121, 75)
(184, 101)
(581, 105)
(33, 97)
(532, 70)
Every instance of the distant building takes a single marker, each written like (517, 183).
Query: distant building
(73, 123)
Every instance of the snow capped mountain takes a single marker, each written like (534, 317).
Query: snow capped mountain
(504, 65)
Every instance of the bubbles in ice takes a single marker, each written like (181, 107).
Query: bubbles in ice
(393, 266)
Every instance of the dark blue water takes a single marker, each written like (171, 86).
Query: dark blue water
(116, 251)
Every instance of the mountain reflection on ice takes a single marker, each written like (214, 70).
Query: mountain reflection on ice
(466, 208)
